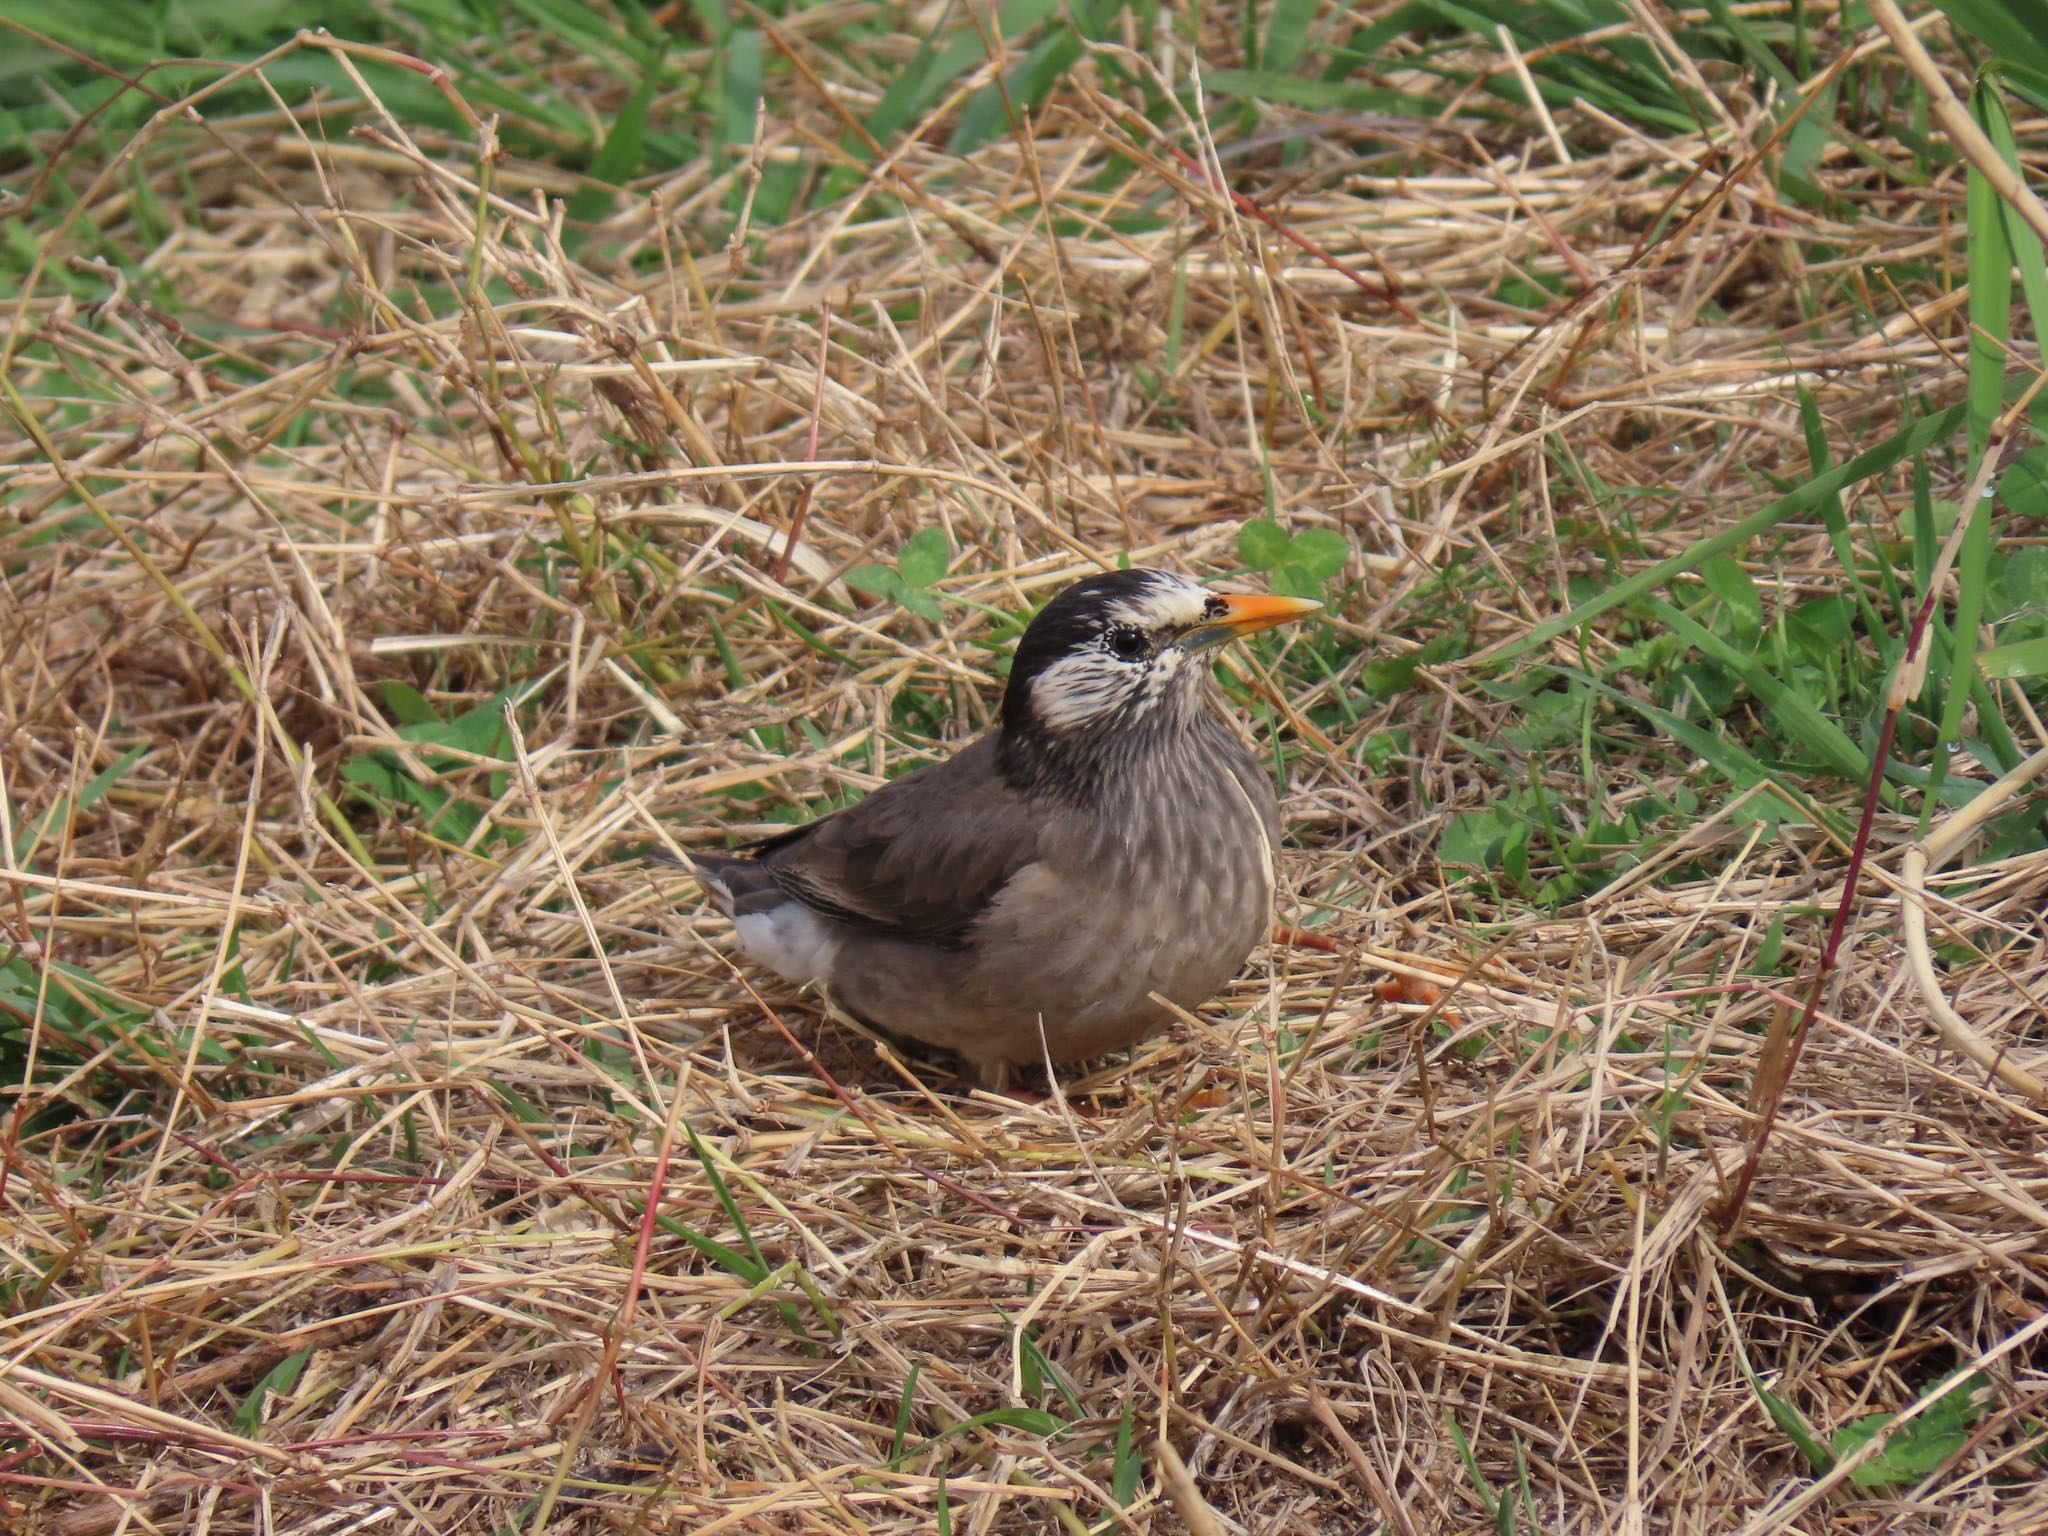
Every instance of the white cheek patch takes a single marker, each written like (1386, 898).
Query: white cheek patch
(1086, 686)
(1081, 687)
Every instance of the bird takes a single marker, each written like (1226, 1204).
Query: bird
(1110, 837)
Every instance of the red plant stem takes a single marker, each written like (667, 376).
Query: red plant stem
(1739, 1197)
(803, 503)
(1905, 683)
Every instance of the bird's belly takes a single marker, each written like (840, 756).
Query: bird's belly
(1064, 964)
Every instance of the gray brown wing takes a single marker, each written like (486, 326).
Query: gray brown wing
(921, 858)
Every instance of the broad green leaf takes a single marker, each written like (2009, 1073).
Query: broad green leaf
(880, 580)
(1730, 582)
(2022, 583)
(1804, 145)
(376, 773)
(1819, 627)
(406, 704)
(1262, 544)
(924, 557)
(2022, 659)
(1292, 580)
(2024, 485)
(1320, 551)
(1477, 839)
(1911, 1454)
(1385, 676)
(1919, 1447)
(1514, 854)
(479, 730)
(282, 1377)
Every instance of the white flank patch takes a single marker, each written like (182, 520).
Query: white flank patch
(791, 940)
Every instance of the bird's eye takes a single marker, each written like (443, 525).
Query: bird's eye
(1127, 643)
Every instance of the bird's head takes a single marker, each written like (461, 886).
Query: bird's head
(1121, 654)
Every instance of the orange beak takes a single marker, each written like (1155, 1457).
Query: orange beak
(1247, 613)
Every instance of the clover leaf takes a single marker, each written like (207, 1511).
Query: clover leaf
(1297, 564)
(919, 566)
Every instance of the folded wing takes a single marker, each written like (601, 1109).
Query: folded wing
(920, 859)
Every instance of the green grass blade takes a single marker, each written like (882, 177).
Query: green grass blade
(619, 157)
(723, 1194)
(1286, 32)
(988, 111)
(1790, 1421)
(1819, 736)
(1990, 310)
(731, 1260)
(1991, 258)
(1733, 761)
(88, 797)
(2025, 244)
(903, 1407)
(1127, 1466)
(1832, 516)
(935, 68)
(1902, 444)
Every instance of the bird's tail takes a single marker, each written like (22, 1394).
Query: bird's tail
(728, 880)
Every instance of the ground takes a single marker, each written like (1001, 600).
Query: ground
(394, 560)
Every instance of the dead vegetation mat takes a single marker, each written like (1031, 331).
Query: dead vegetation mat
(367, 615)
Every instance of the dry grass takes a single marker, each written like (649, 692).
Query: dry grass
(386, 1095)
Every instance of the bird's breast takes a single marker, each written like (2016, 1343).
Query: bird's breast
(1175, 866)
